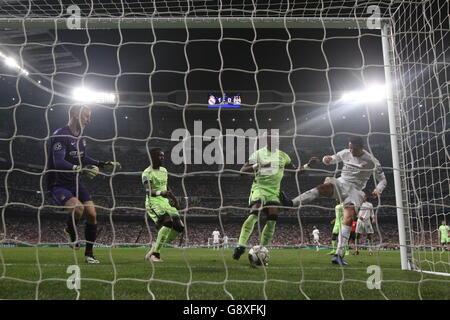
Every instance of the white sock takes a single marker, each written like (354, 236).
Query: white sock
(344, 234)
(306, 197)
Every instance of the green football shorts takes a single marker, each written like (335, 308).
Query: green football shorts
(336, 228)
(159, 208)
(263, 196)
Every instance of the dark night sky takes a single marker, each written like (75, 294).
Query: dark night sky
(137, 62)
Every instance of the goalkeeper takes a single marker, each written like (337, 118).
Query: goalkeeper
(68, 159)
(157, 204)
(267, 165)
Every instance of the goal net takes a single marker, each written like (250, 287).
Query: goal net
(204, 81)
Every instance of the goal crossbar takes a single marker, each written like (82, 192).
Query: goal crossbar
(8, 23)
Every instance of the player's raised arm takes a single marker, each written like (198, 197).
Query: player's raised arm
(108, 165)
(381, 178)
(292, 167)
(312, 161)
(333, 159)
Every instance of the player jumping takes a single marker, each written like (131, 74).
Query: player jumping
(268, 166)
(358, 167)
(165, 216)
(68, 158)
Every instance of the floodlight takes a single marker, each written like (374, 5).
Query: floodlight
(87, 95)
(371, 94)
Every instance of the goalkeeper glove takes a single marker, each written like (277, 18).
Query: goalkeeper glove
(89, 171)
(110, 165)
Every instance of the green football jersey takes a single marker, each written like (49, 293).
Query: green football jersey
(444, 231)
(269, 178)
(158, 179)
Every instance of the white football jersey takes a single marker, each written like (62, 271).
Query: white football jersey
(216, 234)
(366, 211)
(357, 170)
(316, 233)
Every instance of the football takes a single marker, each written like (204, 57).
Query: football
(258, 255)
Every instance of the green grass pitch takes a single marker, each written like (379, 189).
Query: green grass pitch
(41, 273)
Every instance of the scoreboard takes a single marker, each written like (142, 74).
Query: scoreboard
(225, 101)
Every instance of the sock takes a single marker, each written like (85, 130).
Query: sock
(90, 232)
(343, 239)
(267, 233)
(247, 229)
(71, 228)
(163, 233)
(333, 243)
(172, 236)
(306, 197)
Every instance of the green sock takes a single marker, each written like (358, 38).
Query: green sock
(172, 236)
(267, 233)
(161, 239)
(334, 244)
(247, 229)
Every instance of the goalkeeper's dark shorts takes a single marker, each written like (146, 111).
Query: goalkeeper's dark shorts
(61, 194)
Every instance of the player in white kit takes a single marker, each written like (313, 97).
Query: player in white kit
(225, 242)
(359, 165)
(366, 218)
(315, 234)
(216, 239)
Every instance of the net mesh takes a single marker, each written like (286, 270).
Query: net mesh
(159, 77)
(421, 62)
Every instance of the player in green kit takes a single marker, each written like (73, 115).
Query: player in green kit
(443, 234)
(268, 166)
(158, 207)
(339, 211)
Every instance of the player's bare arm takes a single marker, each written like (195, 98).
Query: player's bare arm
(252, 167)
(153, 193)
(170, 195)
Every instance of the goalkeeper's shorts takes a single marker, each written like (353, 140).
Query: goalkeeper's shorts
(157, 209)
(264, 197)
(61, 194)
(445, 240)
